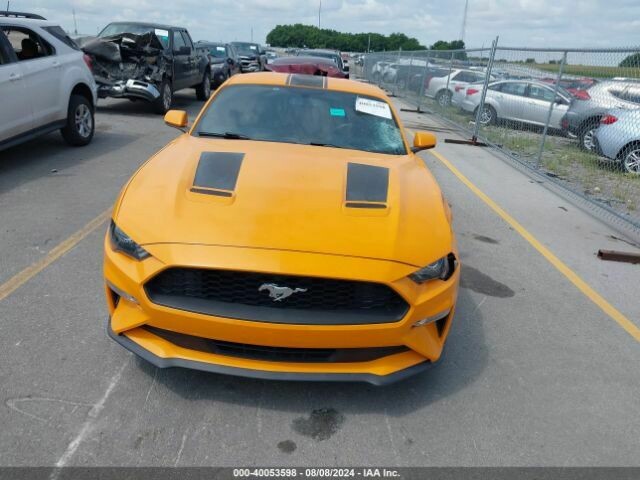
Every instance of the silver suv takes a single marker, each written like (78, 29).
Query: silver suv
(589, 106)
(45, 82)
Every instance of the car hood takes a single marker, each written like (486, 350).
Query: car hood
(285, 197)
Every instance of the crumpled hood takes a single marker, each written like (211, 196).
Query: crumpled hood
(286, 197)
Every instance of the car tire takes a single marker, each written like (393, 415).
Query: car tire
(586, 136)
(443, 98)
(163, 103)
(80, 122)
(203, 91)
(488, 115)
(630, 159)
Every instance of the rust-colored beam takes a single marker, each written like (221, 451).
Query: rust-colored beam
(615, 256)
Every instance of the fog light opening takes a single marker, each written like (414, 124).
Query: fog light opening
(431, 319)
(122, 294)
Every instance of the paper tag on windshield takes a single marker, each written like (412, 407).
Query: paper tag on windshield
(252, 47)
(220, 49)
(161, 33)
(373, 107)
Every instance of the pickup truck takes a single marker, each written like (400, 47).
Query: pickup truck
(147, 61)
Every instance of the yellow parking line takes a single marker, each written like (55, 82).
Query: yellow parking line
(56, 252)
(573, 277)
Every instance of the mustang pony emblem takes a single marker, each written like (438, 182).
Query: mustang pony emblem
(279, 293)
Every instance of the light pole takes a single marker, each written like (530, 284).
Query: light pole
(319, 13)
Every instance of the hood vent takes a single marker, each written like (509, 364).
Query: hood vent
(367, 186)
(311, 81)
(217, 173)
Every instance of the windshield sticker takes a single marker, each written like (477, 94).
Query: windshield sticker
(220, 49)
(337, 112)
(373, 107)
(162, 33)
(252, 47)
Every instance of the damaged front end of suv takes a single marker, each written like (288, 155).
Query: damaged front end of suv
(128, 65)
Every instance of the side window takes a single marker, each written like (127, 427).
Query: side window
(514, 88)
(27, 44)
(540, 93)
(479, 77)
(496, 87)
(178, 41)
(187, 40)
(60, 34)
(460, 77)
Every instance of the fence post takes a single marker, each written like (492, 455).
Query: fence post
(395, 80)
(492, 56)
(553, 103)
(449, 96)
(421, 86)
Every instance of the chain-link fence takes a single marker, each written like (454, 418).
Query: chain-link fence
(573, 115)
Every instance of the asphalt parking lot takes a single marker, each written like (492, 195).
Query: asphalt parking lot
(540, 367)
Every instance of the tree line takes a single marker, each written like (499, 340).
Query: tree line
(301, 36)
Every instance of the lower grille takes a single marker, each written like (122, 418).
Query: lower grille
(275, 354)
(276, 298)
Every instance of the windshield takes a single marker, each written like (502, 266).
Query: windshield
(332, 56)
(217, 51)
(247, 48)
(306, 116)
(118, 28)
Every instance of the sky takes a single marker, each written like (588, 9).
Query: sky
(532, 23)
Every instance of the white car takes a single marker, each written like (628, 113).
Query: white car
(443, 88)
(526, 101)
(45, 82)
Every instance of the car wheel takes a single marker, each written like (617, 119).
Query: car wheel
(631, 159)
(163, 103)
(586, 138)
(204, 89)
(80, 122)
(488, 116)
(443, 98)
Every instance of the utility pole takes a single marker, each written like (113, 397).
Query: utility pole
(319, 13)
(464, 20)
(8, 4)
(75, 24)
(252, 34)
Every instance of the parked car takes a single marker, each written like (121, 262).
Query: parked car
(223, 61)
(442, 88)
(588, 107)
(147, 61)
(333, 55)
(307, 65)
(271, 56)
(518, 100)
(45, 82)
(229, 269)
(618, 138)
(252, 57)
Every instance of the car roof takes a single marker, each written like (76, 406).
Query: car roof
(27, 22)
(320, 50)
(147, 24)
(282, 79)
(215, 44)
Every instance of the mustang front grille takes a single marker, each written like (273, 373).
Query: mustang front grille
(276, 298)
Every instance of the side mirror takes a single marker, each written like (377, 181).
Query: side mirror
(177, 119)
(560, 101)
(423, 141)
(230, 61)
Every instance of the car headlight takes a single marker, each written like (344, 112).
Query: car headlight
(441, 269)
(121, 242)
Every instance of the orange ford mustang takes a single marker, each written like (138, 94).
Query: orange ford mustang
(292, 233)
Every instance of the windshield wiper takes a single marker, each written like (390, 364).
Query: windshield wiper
(227, 135)
(317, 144)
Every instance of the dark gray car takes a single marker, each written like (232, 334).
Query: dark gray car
(588, 106)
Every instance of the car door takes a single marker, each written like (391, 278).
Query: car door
(193, 62)
(41, 73)
(540, 99)
(512, 100)
(181, 67)
(15, 114)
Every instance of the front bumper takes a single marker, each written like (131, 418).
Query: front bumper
(131, 323)
(130, 88)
